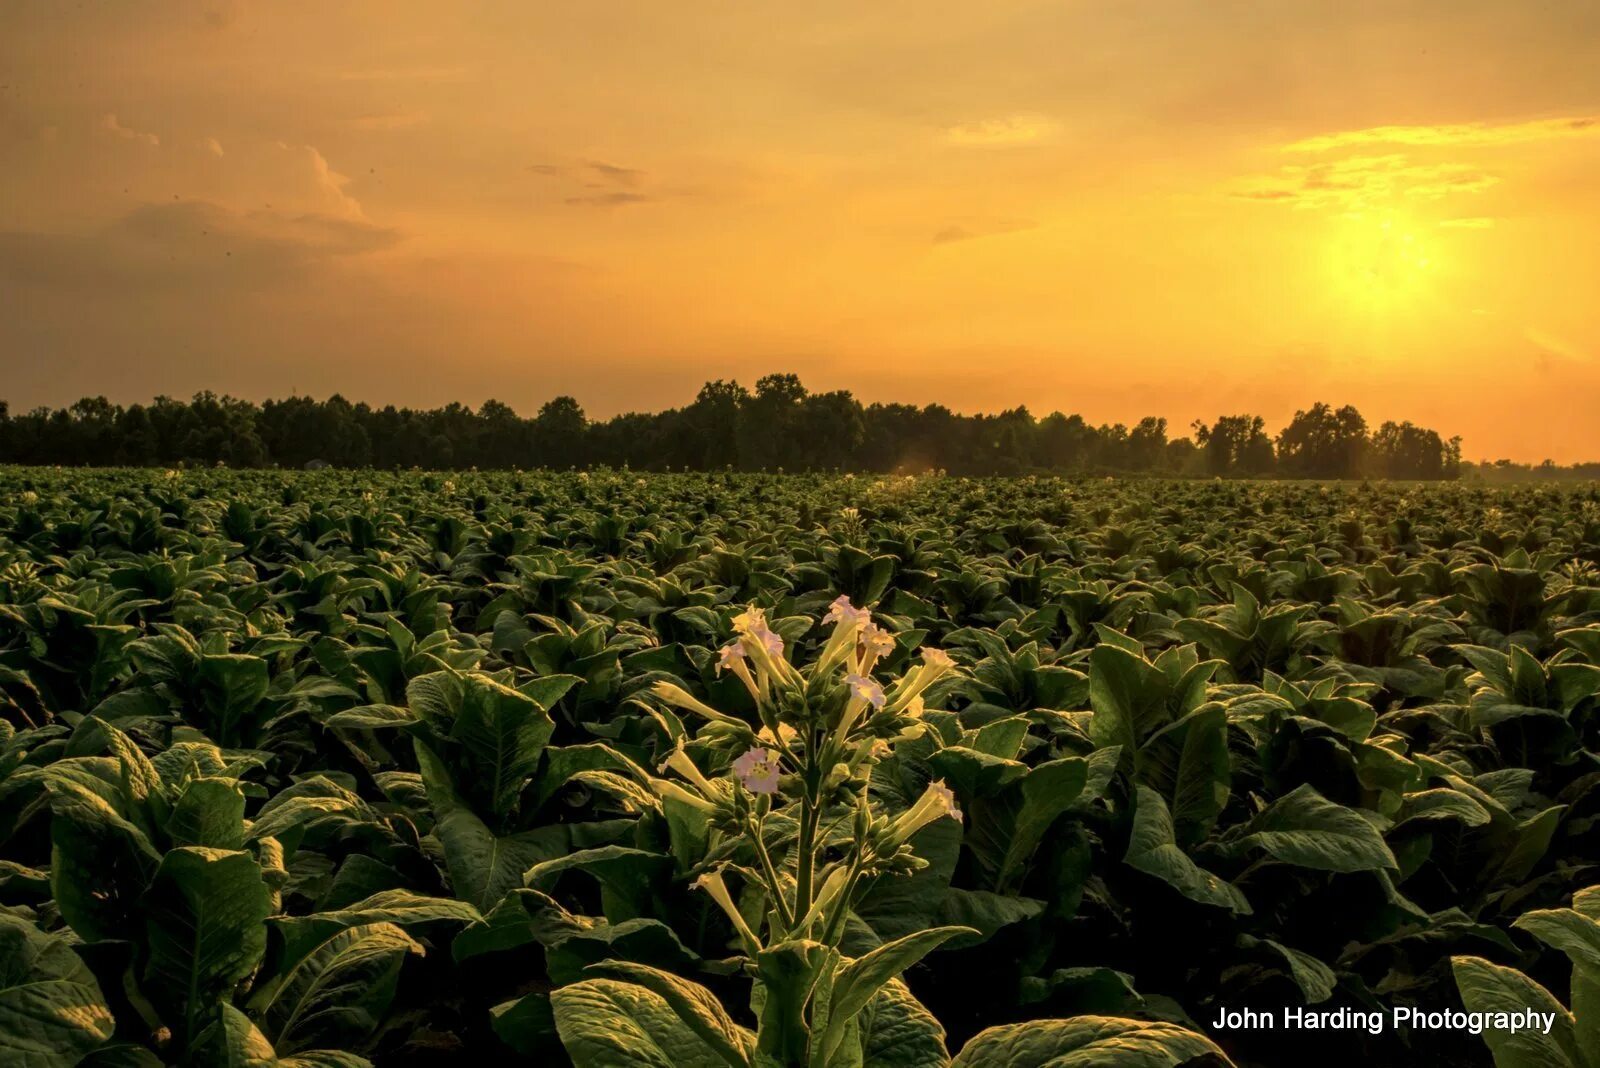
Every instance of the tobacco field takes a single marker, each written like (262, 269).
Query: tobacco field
(336, 768)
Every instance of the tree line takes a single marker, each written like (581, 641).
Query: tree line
(778, 425)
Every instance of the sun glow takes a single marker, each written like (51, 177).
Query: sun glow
(1380, 264)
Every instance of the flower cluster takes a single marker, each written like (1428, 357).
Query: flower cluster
(804, 767)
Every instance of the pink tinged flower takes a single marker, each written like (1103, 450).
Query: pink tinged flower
(937, 658)
(729, 657)
(876, 641)
(750, 619)
(767, 639)
(945, 799)
(865, 689)
(842, 611)
(757, 769)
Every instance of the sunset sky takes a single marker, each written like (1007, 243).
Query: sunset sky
(1168, 207)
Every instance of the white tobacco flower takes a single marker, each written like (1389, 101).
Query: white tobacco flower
(757, 769)
(729, 657)
(865, 689)
(842, 611)
(678, 697)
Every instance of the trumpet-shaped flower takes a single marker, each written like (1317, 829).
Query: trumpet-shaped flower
(757, 769)
(762, 637)
(865, 689)
(679, 762)
(936, 802)
(729, 656)
(751, 618)
(711, 883)
(842, 611)
(678, 697)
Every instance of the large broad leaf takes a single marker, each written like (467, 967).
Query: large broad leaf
(402, 908)
(1086, 1042)
(233, 1041)
(209, 812)
(895, 1031)
(1187, 761)
(527, 1025)
(1487, 987)
(100, 863)
(51, 1009)
(482, 865)
(1577, 934)
(858, 981)
(697, 1007)
(605, 1023)
(503, 733)
(205, 918)
(1048, 790)
(336, 994)
(1153, 849)
(232, 685)
(1304, 828)
(626, 876)
(1128, 695)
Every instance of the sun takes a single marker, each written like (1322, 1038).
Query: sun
(1380, 263)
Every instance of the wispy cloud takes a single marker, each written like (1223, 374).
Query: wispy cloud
(607, 200)
(113, 126)
(1362, 181)
(627, 176)
(1551, 345)
(605, 185)
(1020, 129)
(1463, 134)
(213, 146)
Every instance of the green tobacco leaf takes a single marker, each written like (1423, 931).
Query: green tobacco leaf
(546, 690)
(971, 773)
(1315, 979)
(205, 918)
(503, 733)
(51, 1009)
(858, 981)
(1153, 849)
(605, 1023)
(374, 717)
(1487, 987)
(638, 941)
(1187, 761)
(1048, 790)
(1306, 829)
(233, 1041)
(403, 908)
(482, 865)
(527, 1025)
(1577, 934)
(1086, 1042)
(336, 994)
(896, 1031)
(209, 812)
(696, 1006)
(1573, 933)
(99, 863)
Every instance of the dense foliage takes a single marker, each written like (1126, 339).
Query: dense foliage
(778, 427)
(333, 768)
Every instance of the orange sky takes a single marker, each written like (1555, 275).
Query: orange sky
(1115, 208)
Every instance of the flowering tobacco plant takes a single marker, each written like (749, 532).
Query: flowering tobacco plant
(794, 832)
(801, 778)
